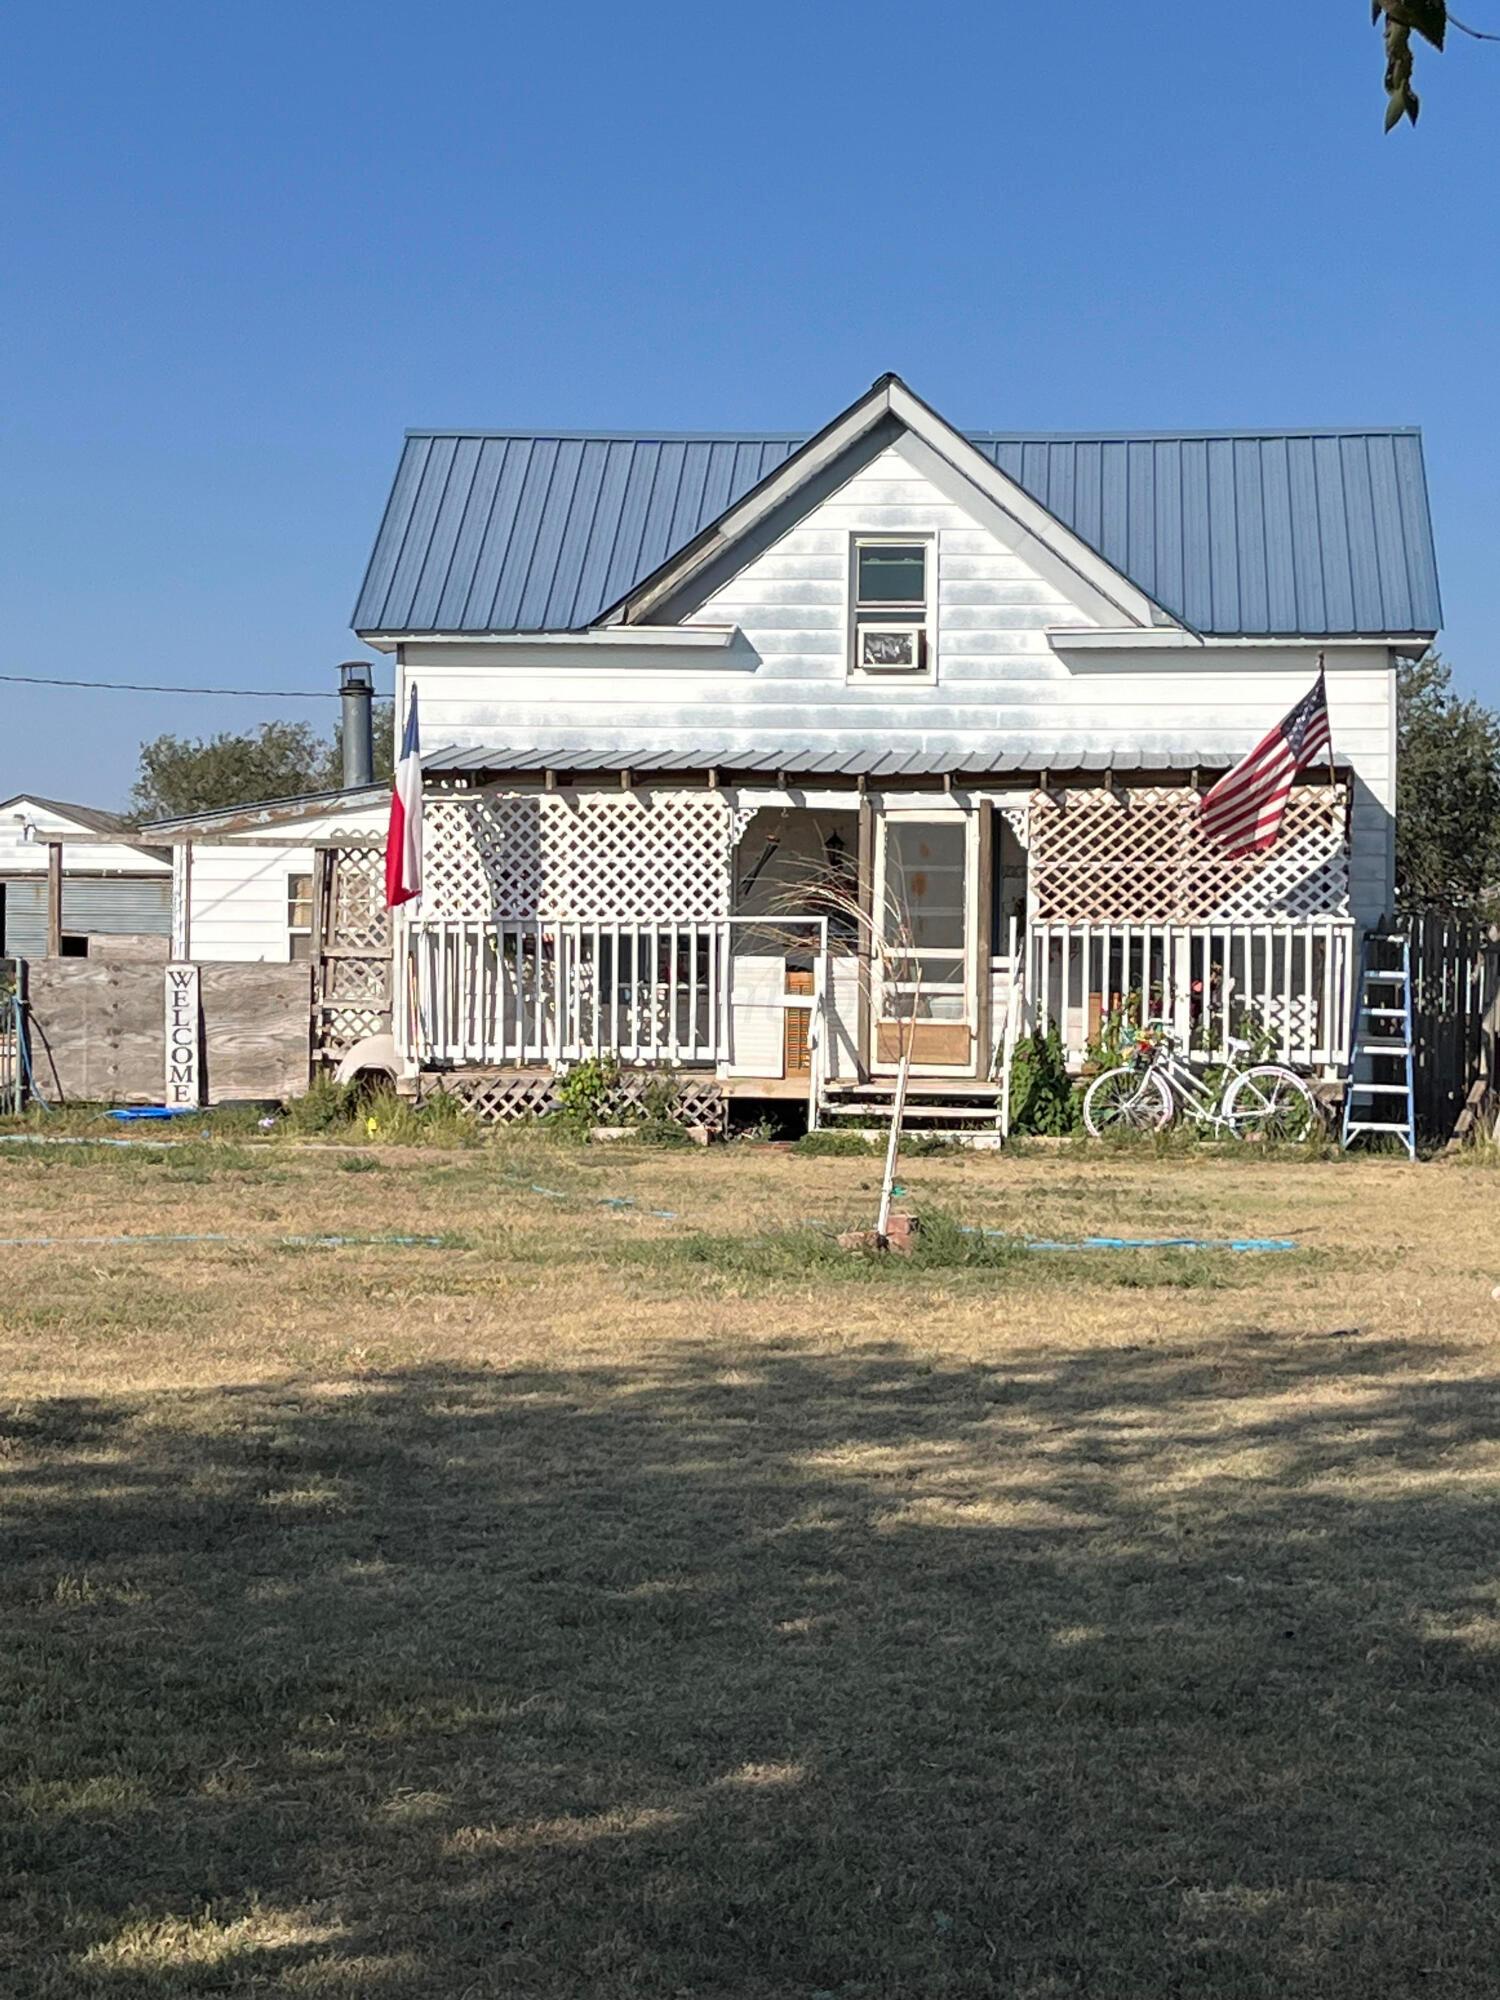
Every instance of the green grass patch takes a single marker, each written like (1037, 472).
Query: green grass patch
(946, 1246)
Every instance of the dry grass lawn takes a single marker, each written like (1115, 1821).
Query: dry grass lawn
(601, 1602)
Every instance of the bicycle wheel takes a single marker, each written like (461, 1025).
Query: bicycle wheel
(1127, 1100)
(1269, 1102)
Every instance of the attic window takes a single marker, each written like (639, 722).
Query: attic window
(891, 609)
(890, 575)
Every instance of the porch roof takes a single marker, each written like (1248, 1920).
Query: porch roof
(807, 756)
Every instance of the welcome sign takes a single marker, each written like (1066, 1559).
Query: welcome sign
(184, 1040)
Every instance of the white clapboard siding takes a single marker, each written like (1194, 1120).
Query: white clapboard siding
(998, 680)
(240, 884)
(239, 907)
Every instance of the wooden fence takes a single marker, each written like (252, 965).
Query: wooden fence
(1455, 966)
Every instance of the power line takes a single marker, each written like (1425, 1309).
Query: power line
(154, 687)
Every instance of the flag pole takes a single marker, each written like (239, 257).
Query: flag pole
(1332, 774)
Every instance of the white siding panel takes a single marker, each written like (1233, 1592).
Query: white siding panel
(240, 901)
(757, 1019)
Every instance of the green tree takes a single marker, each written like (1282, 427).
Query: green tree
(279, 760)
(1399, 20)
(1447, 793)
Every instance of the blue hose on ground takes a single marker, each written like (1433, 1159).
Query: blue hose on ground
(83, 1139)
(1240, 1243)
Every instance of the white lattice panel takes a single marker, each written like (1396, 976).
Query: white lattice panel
(507, 1098)
(1137, 857)
(354, 968)
(357, 917)
(509, 856)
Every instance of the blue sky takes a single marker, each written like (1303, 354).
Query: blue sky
(244, 248)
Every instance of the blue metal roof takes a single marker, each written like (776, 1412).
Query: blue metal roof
(1286, 533)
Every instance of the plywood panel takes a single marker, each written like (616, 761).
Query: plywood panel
(931, 1042)
(98, 1033)
(131, 948)
(256, 1027)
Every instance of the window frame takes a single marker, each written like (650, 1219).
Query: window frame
(920, 617)
(309, 929)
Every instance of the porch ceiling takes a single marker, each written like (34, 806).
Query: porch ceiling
(804, 757)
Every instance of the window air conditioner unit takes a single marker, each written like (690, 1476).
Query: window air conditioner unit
(891, 649)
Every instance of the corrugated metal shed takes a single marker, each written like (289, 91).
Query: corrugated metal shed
(926, 756)
(1278, 534)
(111, 906)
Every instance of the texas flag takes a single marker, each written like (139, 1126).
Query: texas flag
(403, 843)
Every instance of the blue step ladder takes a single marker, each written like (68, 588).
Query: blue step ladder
(1383, 1041)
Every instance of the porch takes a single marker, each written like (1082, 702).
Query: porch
(554, 991)
(794, 940)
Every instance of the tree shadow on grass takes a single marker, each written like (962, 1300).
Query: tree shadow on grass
(763, 1672)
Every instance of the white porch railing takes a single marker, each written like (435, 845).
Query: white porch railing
(551, 990)
(554, 991)
(1292, 978)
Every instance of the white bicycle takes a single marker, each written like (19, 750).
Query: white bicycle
(1156, 1086)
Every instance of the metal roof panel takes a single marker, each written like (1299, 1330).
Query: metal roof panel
(1244, 533)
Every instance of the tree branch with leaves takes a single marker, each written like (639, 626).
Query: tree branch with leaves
(1447, 794)
(279, 760)
(1400, 20)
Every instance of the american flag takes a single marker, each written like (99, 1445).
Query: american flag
(1243, 811)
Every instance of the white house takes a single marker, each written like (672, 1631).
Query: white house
(108, 884)
(669, 686)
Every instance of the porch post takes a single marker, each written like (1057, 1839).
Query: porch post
(865, 943)
(984, 946)
(54, 898)
(1178, 958)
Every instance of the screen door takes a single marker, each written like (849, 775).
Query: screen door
(924, 913)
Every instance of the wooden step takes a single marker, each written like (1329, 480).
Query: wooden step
(916, 1117)
(919, 1087)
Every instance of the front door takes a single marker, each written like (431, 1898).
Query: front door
(925, 913)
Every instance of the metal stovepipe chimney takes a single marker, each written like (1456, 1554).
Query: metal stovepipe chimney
(357, 686)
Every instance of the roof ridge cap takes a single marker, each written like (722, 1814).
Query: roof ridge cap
(1227, 432)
